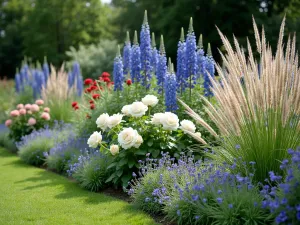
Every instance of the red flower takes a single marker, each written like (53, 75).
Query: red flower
(76, 107)
(95, 96)
(105, 74)
(106, 79)
(92, 106)
(128, 82)
(74, 104)
(93, 88)
(91, 102)
(89, 90)
(95, 83)
(88, 81)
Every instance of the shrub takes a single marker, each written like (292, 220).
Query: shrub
(130, 140)
(94, 59)
(7, 143)
(26, 119)
(32, 148)
(90, 170)
(7, 98)
(257, 110)
(62, 153)
(283, 200)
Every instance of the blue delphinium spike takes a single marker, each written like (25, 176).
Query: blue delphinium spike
(79, 83)
(46, 69)
(18, 82)
(118, 72)
(154, 57)
(181, 63)
(127, 56)
(146, 52)
(170, 89)
(161, 66)
(201, 59)
(135, 60)
(191, 56)
(209, 71)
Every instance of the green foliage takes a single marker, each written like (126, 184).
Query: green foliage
(7, 143)
(28, 194)
(61, 111)
(25, 97)
(95, 58)
(7, 98)
(33, 152)
(92, 172)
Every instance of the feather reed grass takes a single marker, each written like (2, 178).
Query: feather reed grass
(258, 103)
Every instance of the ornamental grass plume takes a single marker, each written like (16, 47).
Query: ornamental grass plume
(258, 118)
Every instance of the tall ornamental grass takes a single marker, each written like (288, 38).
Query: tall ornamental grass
(258, 103)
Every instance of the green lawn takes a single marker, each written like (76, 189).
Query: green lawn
(30, 195)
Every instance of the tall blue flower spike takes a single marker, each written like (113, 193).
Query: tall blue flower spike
(161, 66)
(209, 71)
(127, 56)
(171, 89)
(146, 52)
(201, 59)
(135, 60)
(181, 63)
(154, 58)
(118, 72)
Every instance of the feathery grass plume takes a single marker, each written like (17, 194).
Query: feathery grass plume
(58, 95)
(258, 118)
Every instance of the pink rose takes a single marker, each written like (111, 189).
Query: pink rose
(20, 106)
(35, 108)
(45, 116)
(28, 106)
(47, 109)
(14, 113)
(22, 111)
(8, 123)
(39, 102)
(31, 121)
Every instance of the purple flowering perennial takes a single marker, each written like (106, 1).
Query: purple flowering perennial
(209, 71)
(155, 55)
(118, 72)
(127, 56)
(161, 66)
(135, 61)
(146, 52)
(201, 59)
(181, 63)
(170, 90)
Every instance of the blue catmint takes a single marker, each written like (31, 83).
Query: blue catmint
(146, 52)
(135, 60)
(127, 56)
(118, 72)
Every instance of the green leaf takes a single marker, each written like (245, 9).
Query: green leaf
(110, 178)
(112, 165)
(119, 173)
(163, 145)
(155, 153)
(150, 143)
(140, 152)
(131, 162)
(123, 161)
(125, 179)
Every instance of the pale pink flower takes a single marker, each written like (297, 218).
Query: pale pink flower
(47, 109)
(20, 106)
(8, 123)
(39, 102)
(14, 113)
(29, 112)
(45, 116)
(28, 106)
(31, 121)
(22, 111)
(35, 108)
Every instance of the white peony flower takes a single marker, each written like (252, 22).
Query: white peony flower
(150, 100)
(102, 121)
(138, 142)
(157, 118)
(114, 120)
(126, 109)
(128, 137)
(187, 125)
(94, 140)
(138, 109)
(170, 121)
(114, 149)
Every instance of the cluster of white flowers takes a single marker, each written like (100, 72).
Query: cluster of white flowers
(129, 137)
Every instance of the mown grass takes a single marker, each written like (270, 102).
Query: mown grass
(30, 195)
